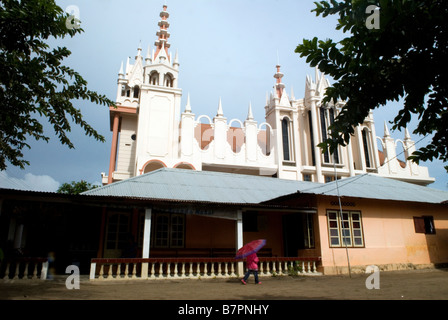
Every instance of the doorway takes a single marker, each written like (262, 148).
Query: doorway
(292, 234)
(298, 233)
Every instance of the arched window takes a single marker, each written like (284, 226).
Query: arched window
(327, 116)
(285, 137)
(123, 90)
(366, 142)
(323, 127)
(310, 122)
(336, 152)
(136, 92)
(154, 78)
(168, 81)
(153, 165)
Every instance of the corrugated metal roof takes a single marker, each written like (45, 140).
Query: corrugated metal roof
(375, 187)
(203, 186)
(228, 188)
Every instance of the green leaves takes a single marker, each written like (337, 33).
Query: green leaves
(34, 83)
(76, 187)
(405, 58)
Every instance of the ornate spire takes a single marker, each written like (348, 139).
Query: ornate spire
(148, 58)
(121, 72)
(128, 65)
(407, 136)
(386, 130)
(163, 34)
(176, 60)
(279, 86)
(188, 106)
(139, 51)
(220, 113)
(250, 115)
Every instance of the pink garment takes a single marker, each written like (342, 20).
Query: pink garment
(252, 262)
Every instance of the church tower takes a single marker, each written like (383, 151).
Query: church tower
(145, 124)
(281, 115)
(149, 131)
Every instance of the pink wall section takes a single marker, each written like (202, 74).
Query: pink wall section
(389, 235)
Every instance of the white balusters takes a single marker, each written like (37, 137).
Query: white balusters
(160, 270)
(109, 273)
(191, 269)
(152, 274)
(92, 270)
(176, 275)
(126, 271)
(232, 270)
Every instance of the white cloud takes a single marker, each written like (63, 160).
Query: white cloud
(29, 182)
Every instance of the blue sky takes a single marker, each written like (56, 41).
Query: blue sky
(227, 49)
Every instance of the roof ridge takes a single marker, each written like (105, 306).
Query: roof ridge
(107, 186)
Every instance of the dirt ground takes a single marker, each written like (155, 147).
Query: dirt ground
(428, 284)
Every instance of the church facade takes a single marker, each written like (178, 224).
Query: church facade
(152, 130)
(188, 191)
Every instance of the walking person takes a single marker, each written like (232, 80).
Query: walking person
(252, 268)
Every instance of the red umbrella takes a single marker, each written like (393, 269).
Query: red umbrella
(250, 248)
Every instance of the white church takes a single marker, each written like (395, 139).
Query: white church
(152, 130)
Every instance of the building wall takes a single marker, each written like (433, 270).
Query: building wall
(269, 228)
(206, 232)
(127, 146)
(390, 238)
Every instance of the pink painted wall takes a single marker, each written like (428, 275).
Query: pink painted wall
(389, 235)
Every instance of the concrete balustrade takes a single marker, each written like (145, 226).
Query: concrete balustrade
(195, 268)
(24, 269)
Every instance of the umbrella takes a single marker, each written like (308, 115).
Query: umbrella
(250, 248)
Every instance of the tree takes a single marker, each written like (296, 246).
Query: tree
(405, 58)
(76, 187)
(34, 84)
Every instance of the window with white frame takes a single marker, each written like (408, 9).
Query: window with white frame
(345, 229)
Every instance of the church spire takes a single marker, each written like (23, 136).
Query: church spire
(279, 86)
(163, 34)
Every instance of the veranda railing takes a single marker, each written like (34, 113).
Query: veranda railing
(24, 269)
(195, 268)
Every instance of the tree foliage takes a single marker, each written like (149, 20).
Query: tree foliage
(76, 187)
(34, 84)
(405, 59)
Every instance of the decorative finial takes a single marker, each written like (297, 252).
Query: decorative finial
(220, 112)
(148, 58)
(188, 106)
(120, 73)
(407, 136)
(386, 130)
(250, 116)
